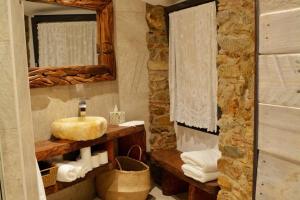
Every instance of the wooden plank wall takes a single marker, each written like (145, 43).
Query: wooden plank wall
(278, 175)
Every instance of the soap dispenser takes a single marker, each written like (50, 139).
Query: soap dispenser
(116, 117)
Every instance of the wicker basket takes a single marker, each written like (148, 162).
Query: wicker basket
(130, 182)
(49, 173)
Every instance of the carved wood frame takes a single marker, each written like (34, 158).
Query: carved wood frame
(70, 75)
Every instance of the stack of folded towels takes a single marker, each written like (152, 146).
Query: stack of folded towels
(69, 171)
(201, 165)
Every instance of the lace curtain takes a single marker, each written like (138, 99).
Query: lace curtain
(67, 44)
(193, 71)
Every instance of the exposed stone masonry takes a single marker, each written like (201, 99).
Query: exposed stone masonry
(236, 63)
(162, 131)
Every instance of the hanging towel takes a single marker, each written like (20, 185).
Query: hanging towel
(41, 190)
(193, 71)
(206, 160)
(66, 172)
(196, 173)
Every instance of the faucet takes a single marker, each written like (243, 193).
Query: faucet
(82, 108)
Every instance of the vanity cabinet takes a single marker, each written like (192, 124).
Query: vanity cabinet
(116, 141)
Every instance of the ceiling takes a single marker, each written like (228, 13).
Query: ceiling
(33, 8)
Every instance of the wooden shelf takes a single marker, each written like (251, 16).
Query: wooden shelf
(48, 149)
(92, 174)
(45, 150)
(170, 161)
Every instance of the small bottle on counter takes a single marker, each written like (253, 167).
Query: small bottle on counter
(116, 117)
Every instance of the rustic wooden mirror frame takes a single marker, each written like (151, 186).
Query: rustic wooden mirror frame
(71, 75)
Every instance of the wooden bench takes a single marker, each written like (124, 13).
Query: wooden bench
(174, 181)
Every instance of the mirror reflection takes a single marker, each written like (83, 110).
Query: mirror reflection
(60, 36)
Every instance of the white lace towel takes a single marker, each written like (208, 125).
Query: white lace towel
(205, 160)
(196, 173)
(132, 123)
(193, 71)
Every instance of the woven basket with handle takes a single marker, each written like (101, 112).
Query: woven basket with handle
(131, 181)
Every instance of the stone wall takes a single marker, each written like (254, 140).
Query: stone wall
(236, 63)
(162, 131)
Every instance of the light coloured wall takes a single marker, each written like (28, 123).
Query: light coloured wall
(49, 104)
(132, 56)
(279, 100)
(16, 143)
(129, 92)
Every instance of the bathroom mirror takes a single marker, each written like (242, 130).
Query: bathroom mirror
(69, 42)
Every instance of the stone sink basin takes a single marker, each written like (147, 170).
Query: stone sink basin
(79, 128)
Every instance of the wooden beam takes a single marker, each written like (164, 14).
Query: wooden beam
(106, 37)
(51, 76)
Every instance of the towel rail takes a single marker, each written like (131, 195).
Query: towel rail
(200, 129)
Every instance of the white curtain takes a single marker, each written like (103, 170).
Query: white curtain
(67, 43)
(193, 71)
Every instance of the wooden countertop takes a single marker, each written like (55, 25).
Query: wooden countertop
(54, 147)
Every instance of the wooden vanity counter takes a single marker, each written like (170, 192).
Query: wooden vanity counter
(117, 138)
(47, 149)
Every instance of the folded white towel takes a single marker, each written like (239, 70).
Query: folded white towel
(103, 157)
(66, 172)
(206, 159)
(99, 158)
(132, 123)
(196, 173)
(95, 160)
(83, 166)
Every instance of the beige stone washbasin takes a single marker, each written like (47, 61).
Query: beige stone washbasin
(79, 128)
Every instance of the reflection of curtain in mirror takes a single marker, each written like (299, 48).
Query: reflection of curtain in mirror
(67, 44)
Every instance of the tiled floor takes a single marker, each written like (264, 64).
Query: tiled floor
(157, 193)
